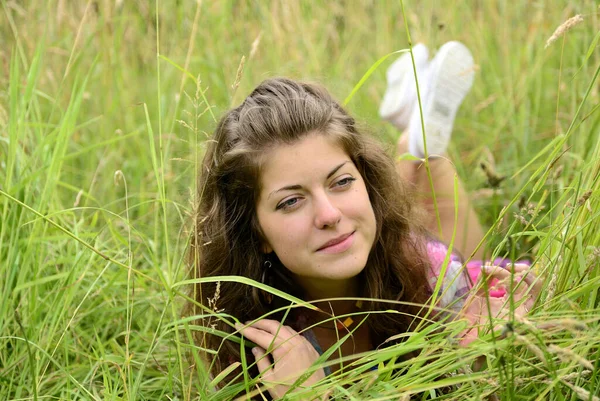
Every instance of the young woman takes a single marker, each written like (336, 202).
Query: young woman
(293, 195)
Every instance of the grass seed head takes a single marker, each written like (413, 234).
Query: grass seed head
(521, 219)
(255, 44)
(569, 324)
(553, 280)
(212, 302)
(534, 349)
(581, 393)
(576, 375)
(584, 197)
(118, 177)
(238, 75)
(566, 355)
(78, 198)
(564, 28)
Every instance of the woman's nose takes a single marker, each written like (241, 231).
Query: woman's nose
(327, 214)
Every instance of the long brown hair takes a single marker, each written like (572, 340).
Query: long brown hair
(227, 239)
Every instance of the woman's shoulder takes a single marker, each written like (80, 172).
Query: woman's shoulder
(438, 252)
(447, 266)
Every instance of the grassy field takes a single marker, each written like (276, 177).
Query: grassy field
(104, 108)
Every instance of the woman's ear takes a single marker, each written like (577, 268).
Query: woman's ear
(265, 247)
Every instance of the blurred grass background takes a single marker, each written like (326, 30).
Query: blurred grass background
(105, 104)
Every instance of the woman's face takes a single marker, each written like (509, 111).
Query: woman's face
(315, 212)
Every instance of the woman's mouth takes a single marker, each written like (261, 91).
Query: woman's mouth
(339, 244)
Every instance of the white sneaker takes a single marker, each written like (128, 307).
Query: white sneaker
(400, 96)
(444, 86)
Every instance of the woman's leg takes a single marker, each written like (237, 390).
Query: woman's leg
(466, 229)
(444, 82)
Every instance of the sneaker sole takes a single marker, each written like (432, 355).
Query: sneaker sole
(392, 104)
(453, 73)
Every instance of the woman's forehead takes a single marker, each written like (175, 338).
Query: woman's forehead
(314, 156)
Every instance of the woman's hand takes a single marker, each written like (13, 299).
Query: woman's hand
(292, 355)
(480, 309)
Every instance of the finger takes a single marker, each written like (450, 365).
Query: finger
(494, 308)
(273, 327)
(517, 290)
(291, 331)
(490, 271)
(518, 267)
(530, 278)
(511, 280)
(285, 340)
(258, 336)
(485, 281)
(522, 270)
(263, 362)
(271, 335)
(532, 290)
(530, 285)
(520, 304)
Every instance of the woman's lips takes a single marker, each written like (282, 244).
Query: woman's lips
(338, 245)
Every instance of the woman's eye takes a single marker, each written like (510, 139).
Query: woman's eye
(344, 182)
(287, 204)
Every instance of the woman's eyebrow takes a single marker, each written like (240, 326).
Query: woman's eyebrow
(336, 169)
(297, 186)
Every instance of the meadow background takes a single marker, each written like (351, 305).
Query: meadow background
(104, 108)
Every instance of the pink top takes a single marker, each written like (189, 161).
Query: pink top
(455, 283)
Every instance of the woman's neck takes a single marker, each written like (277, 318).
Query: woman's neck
(316, 289)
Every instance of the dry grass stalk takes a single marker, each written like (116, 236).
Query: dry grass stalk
(576, 375)
(594, 256)
(254, 47)
(212, 302)
(582, 393)
(552, 286)
(118, 177)
(553, 280)
(569, 324)
(564, 28)
(185, 125)
(521, 219)
(370, 382)
(78, 198)
(557, 173)
(566, 354)
(238, 75)
(584, 197)
(531, 347)
(485, 103)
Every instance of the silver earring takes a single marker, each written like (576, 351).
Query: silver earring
(266, 267)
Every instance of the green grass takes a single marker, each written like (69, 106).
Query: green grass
(104, 107)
